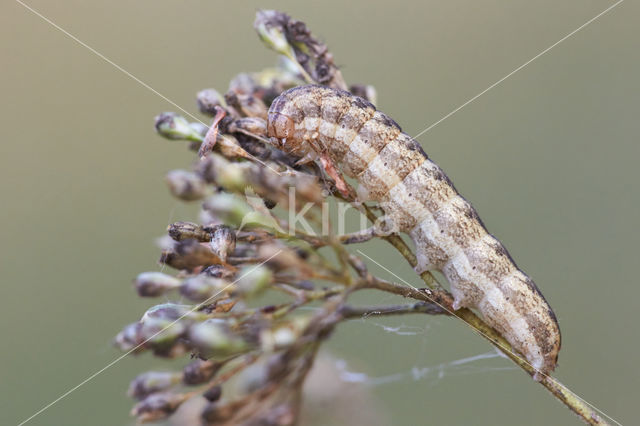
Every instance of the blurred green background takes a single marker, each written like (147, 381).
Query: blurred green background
(549, 158)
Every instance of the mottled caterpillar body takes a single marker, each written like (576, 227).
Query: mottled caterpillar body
(415, 194)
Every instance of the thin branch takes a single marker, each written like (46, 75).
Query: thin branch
(349, 312)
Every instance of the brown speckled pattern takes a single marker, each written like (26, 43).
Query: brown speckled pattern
(419, 198)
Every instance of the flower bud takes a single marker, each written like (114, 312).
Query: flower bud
(223, 241)
(199, 128)
(227, 207)
(208, 100)
(163, 324)
(174, 126)
(186, 185)
(168, 311)
(242, 83)
(270, 30)
(218, 170)
(154, 284)
(152, 382)
(202, 287)
(213, 393)
(128, 339)
(218, 271)
(215, 340)
(199, 371)
(283, 335)
(156, 331)
(157, 406)
(189, 255)
(253, 280)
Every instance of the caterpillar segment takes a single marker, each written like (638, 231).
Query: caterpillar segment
(338, 128)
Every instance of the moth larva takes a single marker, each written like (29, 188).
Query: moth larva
(415, 194)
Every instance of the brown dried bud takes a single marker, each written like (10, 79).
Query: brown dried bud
(199, 371)
(152, 382)
(189, 255)
(242, 83)
(213, 393)
(246, 104)
(229, 146)
(186, 185)
(157, 406)
(365, 91)
(253, 125)
(181, 231)
(208, 100)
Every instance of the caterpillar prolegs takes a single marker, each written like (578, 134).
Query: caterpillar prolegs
(392, 169)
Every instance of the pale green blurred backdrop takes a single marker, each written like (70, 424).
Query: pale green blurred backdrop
(549, 158)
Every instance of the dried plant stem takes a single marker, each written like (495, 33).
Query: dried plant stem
(443, 298)
(415, 308)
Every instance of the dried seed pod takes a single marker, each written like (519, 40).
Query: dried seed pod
(151, 382)
(229, 146)
(186, 185)
(247, 104)
(154, 284)
(253, 125)
(180, 231)
(223, 241)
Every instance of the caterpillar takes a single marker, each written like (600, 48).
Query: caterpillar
(415, 194)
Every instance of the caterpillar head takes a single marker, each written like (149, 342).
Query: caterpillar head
(281, 128)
